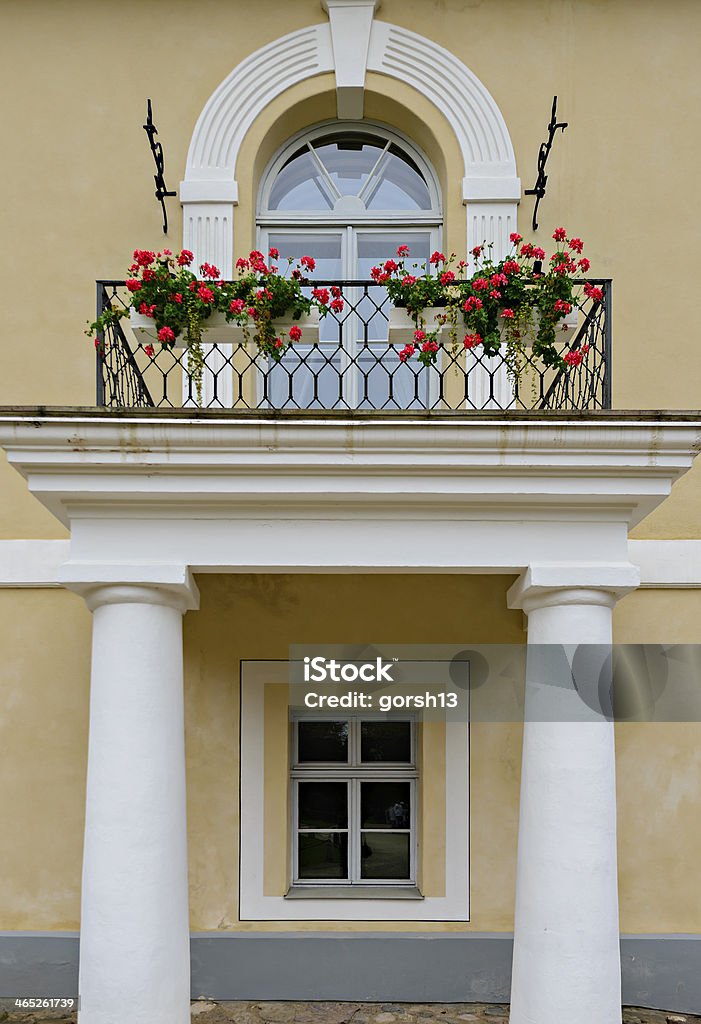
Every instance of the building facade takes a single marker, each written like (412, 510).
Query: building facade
(165, 555)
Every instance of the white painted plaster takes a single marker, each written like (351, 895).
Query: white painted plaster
(134, 942)
(566, 962)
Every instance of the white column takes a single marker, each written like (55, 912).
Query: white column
(134, 936)
(566, 964)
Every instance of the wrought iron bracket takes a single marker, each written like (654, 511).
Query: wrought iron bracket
(538, 189)
(157, 150)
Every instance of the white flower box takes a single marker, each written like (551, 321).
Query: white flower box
(215, 329)
(402, 325)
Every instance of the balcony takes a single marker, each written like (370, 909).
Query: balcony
(355, 365)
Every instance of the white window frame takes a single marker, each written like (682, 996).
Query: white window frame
(354, 772)
(256, 905)
(340, 218)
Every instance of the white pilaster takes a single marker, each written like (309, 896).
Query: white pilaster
(490, 222)
(134, 936)
(566, 962)
(208, 232)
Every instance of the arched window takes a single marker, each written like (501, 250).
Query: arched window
(349, 195)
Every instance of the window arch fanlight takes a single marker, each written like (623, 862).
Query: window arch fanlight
(347, 172)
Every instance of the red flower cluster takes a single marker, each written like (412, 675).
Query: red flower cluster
(143, 257)
(321, 295)
(576, 356)
(592, 292)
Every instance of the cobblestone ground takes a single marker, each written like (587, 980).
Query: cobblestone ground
(355, 1013)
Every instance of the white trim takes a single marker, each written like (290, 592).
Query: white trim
(458, 94)
(32, 563)
(351, 24)
(255, 906)
(434, 215)
(209, 190)
(488, 155)
(663, 564)
(674, 564)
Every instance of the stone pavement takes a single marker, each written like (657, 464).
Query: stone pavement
(204, 1012)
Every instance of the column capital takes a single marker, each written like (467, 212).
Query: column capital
(585, 583)
(100, 584)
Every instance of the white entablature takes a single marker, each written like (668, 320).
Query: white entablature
(308, 493)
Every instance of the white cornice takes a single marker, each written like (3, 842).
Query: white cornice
(536, 487)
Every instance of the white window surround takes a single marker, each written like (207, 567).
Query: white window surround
(209, 190)
(256, 906)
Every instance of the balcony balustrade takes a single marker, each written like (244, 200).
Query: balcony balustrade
(354, 364)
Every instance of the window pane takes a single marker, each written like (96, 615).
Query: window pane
(377, 247)
(385, 741)
(325, 247)
(384, 855)
(349, 161)
(323, 805)
(401, 187)
(323, 855)
(300, 186)
(385, 805)
(322, 741)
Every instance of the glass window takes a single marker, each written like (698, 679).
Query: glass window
(349, 195)
(368, 167)
(354, 792)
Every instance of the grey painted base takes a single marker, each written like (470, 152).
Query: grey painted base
(660, 971)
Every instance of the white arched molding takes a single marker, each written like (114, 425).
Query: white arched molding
(490, 188)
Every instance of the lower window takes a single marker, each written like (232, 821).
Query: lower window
(354, 801)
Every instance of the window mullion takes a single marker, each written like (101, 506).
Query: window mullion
(380, 160)
(328, 180)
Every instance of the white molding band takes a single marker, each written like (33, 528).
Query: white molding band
(663, 564)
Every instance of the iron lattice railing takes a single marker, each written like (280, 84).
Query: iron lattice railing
(355, 365)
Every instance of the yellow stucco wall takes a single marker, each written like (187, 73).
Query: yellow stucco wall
(43, 743)
(77, 186)
(77, 197)
(44, 690)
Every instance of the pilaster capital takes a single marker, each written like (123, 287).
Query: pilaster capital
(159, 584)
(545, 584)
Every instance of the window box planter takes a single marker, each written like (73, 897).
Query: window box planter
(564, 329)
(216, 330)
(402, 325)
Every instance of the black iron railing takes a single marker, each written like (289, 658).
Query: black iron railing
(355, 364)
